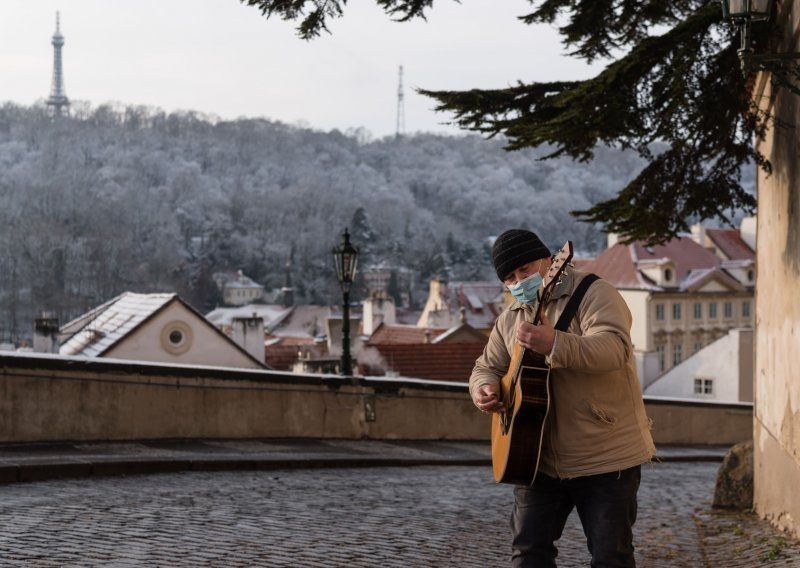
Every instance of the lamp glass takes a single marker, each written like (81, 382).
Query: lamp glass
(754, 10)
(346, 259)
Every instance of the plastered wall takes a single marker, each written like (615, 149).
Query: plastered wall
(777, 345)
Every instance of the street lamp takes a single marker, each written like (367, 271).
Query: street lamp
(345, 257)
(743, 13)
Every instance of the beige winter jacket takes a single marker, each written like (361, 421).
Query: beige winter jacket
(597, 422)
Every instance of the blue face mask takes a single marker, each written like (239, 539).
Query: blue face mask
(526, 291)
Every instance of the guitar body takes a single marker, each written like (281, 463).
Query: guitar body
(517, 434)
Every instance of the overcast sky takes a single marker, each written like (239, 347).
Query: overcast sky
(223, 58)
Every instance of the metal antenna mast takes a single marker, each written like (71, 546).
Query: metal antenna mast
(58, 98)
(401, 110)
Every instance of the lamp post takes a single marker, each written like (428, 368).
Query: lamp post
(743, 13)
(345, 258)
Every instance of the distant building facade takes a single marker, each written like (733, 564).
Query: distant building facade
(683, 294)
(386, 281)
(238, 289)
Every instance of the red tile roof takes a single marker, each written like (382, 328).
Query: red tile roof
(620, 264)
(281, 353)
(396, 334)
(438, 361)
(616, 265)
(729, 242)
(684, 252)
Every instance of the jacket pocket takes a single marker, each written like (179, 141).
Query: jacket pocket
(601, 416)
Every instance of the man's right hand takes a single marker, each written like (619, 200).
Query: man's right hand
(487, 398)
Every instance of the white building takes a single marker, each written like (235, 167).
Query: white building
(720, 372)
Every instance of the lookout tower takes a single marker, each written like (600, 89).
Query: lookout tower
(58, 98)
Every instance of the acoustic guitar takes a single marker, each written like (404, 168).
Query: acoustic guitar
(518, 432)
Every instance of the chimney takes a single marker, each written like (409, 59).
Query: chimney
(45, 333)
(613, 238)
(699, 234)
(747, 230)
(248, 333)
(377, 309)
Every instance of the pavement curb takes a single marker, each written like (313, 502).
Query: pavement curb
(78, 469)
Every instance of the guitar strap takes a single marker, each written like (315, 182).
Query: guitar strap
(574, 302)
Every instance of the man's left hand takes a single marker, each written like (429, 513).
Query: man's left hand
(539, 338)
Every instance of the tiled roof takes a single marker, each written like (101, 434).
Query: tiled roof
(112, 321)
(618, 264)
(729, 242)
(438, 361)
(478, 299)
(299, 320)
(396, 334)
(684, 252)
(281, 352)
(407, 316)
(270, 313)
(463, 333)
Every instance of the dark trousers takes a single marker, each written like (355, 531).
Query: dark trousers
(606, 505)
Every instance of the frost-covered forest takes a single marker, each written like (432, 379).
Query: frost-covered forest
(117, 198)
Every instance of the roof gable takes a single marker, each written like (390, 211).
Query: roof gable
(108, 326)
(711, 280)
(99, 330)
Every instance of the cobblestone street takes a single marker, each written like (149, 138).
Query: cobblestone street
(400, 516)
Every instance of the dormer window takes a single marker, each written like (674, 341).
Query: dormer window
(750, 275)
(667, 275)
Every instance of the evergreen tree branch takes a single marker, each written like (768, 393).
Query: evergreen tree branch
(314, 14)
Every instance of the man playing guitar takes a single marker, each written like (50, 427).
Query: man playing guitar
(594, 434)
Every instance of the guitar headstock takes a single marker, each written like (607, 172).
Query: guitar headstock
(559, 264)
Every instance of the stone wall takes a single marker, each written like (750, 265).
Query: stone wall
(46, 398)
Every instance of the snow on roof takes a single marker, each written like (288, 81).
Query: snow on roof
(270, 313)
(107, 324)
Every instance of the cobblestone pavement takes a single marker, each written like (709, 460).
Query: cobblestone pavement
(393, 516)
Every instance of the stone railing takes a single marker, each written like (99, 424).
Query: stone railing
(51, 398)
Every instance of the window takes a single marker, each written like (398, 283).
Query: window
(712, 310)
(676, 311)
(698, 310)
(704, 386)
(677, 354)
(667, 275)
(659, 311)
(697, 346)
(750, 275)
(660, 354)
(728, 309)
(176, 337)
(746, 309)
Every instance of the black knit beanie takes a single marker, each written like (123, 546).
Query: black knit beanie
(515, 248)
